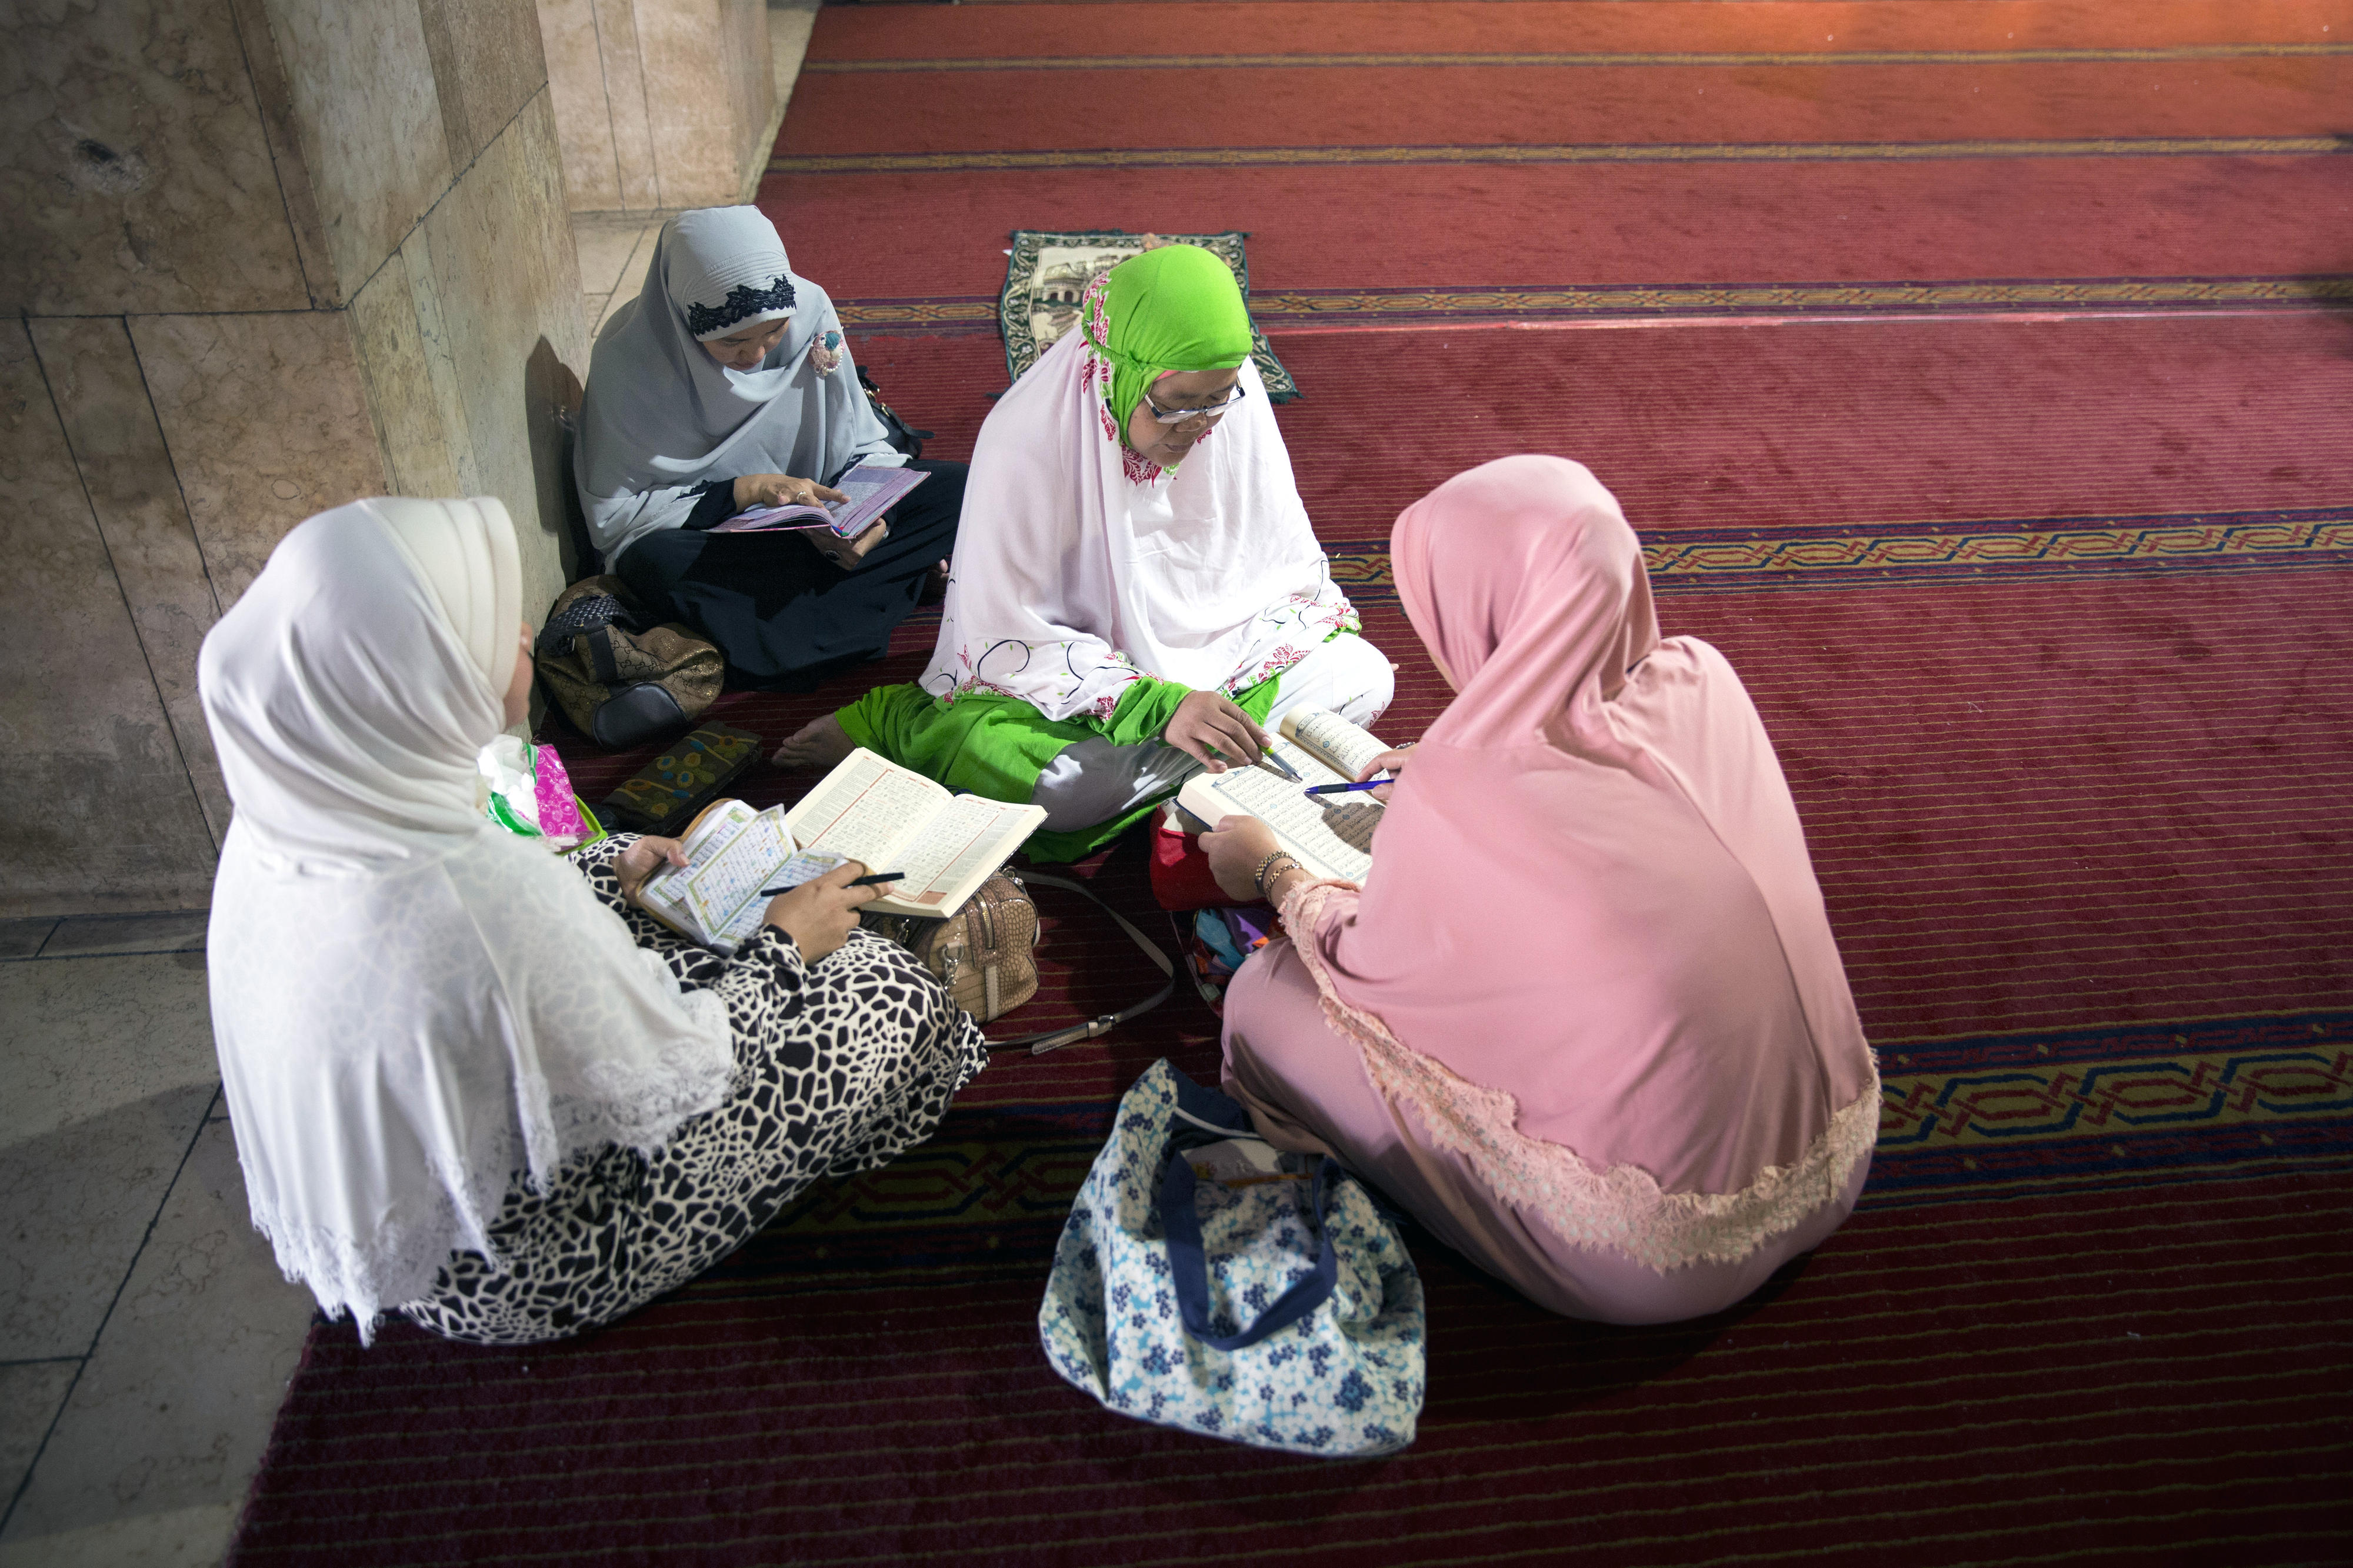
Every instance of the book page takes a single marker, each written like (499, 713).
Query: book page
(1331, 835)
(805, 866)
(956, 851)
(872, 490)
(754, 519)
(865, 809)
(1349, 747)
(663, 896)
(718, 889)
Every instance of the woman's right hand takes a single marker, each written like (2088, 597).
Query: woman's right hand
(1391, 762)
(1206, 721)
(781, 489)
(819, 915)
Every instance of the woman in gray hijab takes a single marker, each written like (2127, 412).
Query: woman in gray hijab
(727, 385)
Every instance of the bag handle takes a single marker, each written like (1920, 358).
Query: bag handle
(1189, 1270)
(1055, 1039)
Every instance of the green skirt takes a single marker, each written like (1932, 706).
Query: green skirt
(997, 746)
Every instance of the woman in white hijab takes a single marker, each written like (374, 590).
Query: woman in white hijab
(727, 385)
(470, 1082)
(1139, 590)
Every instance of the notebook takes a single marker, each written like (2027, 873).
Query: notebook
(871, 491)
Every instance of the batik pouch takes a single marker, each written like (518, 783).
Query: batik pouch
(1206, 1282)
(667, 793)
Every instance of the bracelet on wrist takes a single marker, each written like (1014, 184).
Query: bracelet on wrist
(1266, 868)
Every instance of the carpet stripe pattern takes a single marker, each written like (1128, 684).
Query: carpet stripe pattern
(898, 65)
(1590, 153)
(1308, 310)
(2035, 149)
(2019, 490)
(786, 1426)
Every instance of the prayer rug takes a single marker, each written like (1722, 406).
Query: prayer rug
(1047, 275)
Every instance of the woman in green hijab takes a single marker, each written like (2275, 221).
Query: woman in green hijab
(1137, 591)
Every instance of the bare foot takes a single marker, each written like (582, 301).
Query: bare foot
(936, 585)
(817, 746)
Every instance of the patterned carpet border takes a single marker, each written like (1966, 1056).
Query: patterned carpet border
(1695, 560)
(1576, 152)
(1577, 60)
(1984, 1117)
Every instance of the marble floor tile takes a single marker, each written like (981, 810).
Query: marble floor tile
(182, 1538)
(169, 1419)
(22, 939)
(82, 1036)
(85, 936)
(79, 1202)
(633, 271)
(605, 242)
(592, 309)
(30, 1392)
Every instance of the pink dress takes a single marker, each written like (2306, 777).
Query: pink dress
(1585, 1017)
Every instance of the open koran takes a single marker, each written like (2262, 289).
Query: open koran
(867, 810)
(1330, 835)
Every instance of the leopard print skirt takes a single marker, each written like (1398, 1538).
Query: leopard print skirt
(839, 1066)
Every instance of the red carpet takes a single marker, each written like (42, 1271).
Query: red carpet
(1567, 160)
(2099, 1379)
(2047, 617)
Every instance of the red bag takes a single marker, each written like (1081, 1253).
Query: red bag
(1180, 872)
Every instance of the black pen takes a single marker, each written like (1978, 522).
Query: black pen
(1345, 788)
(875, 880)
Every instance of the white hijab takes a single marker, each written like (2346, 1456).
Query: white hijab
(1079, 567)
(661, 415)
(410, 1004)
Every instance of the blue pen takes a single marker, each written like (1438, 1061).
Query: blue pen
(1348, 788)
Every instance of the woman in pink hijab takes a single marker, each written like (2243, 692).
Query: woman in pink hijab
(1584, 1017)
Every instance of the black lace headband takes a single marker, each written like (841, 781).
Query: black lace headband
(742, 300)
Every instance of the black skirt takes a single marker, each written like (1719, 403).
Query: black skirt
(785, 617)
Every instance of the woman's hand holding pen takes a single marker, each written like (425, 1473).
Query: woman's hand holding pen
(1213, 731)
(819, 915)
(1391, 762)
(781, 489)
(636, 865)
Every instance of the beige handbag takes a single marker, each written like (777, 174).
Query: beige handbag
(986, 955)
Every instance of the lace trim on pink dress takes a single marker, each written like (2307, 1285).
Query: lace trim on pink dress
(1621, 1207)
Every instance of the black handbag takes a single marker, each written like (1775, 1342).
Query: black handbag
(621, 677)
(903, 437)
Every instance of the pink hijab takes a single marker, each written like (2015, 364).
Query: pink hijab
(1591, 891)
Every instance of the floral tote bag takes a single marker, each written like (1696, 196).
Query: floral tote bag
(1206, 1281)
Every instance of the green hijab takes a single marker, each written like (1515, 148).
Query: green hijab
(1176, 308)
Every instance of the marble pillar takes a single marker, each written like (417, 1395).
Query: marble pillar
(102, 799)
(660, 104)
(267, 256)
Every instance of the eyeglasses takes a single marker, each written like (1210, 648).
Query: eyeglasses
(1178, 416)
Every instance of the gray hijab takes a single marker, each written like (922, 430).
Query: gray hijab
(661, 416)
